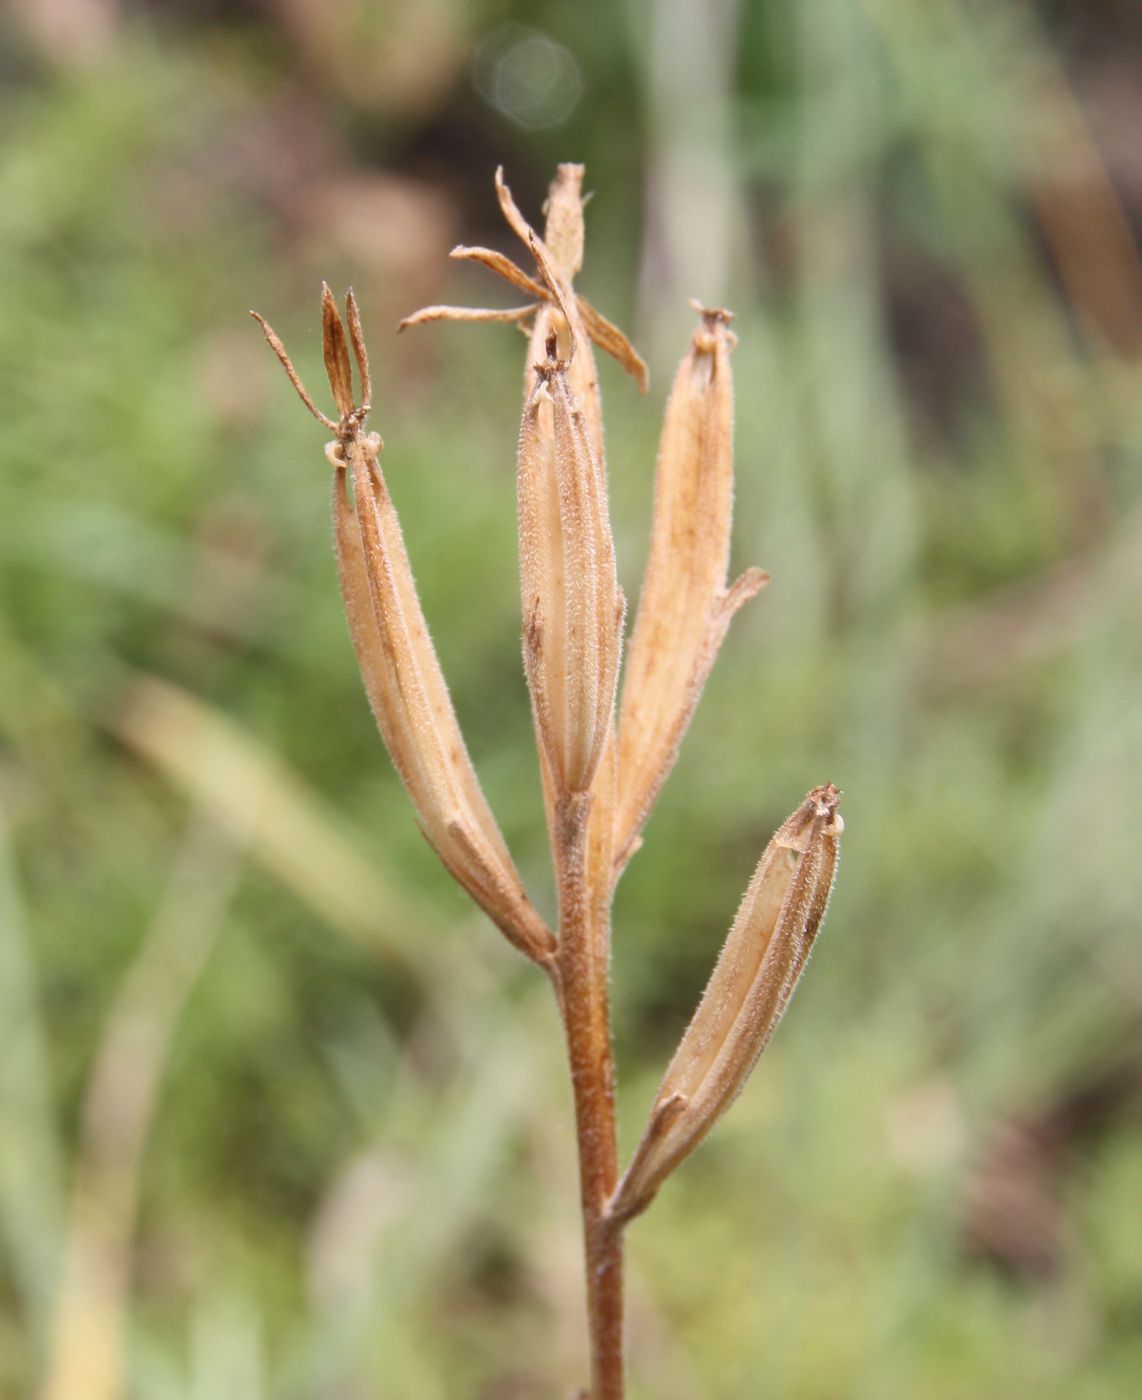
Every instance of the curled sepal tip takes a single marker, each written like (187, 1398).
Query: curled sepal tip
(756, 973)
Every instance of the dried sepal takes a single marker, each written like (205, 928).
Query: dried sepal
(559, 256)
(398, 662)
(610, 339)
(564, 177)
(563, 241)
(335, 350)
(685, 607)
(360, 351)
(503, 267)
(273, 340)
(763, 957)
(427, 314)
(572, 607)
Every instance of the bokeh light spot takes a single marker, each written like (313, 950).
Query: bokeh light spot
(527, 76)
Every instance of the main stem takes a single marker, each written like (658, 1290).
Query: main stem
(581, 984)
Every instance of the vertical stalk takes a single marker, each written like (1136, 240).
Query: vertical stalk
(582, 991)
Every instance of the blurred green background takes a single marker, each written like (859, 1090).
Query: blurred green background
(279, 1115)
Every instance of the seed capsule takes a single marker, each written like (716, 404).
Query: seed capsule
(398, 662)
(569, 589)
(763, 958)
(685, 607)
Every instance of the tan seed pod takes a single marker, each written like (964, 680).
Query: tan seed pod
(569, 589)
(685, 607)
(398, 663)
(756, 973)
(556, 308)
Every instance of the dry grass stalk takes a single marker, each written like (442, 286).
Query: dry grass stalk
(600, 778)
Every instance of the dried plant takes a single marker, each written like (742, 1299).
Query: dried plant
(600, 776)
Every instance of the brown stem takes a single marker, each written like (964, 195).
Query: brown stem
(581, 984)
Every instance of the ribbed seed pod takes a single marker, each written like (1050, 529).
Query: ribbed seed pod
(685, 607)
(398, 662)
(763, 958)
(569, 589)
(412, 707)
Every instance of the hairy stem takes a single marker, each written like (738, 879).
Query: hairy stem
(581, 984)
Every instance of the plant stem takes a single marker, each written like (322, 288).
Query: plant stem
(581, 985)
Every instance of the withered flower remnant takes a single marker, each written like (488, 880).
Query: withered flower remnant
(603, 757)
(563, 244)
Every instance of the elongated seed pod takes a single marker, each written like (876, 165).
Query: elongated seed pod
(568, 583)
(410, 701)
(398, 662)
(760, 964)
(685, 607)
(558, 257)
